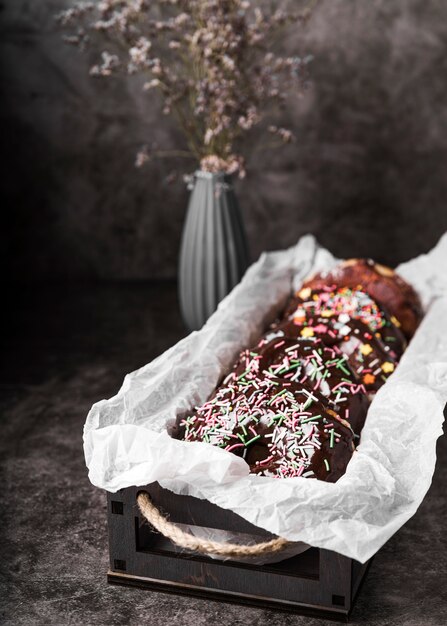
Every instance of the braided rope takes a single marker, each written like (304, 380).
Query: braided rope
(185, 540)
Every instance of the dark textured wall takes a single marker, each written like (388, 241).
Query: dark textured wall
(367, 174)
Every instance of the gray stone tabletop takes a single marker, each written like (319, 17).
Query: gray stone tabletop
(64, 349)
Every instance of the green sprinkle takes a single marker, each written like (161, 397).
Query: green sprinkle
(291, 367)
(310, 419)
(327, 464)
(341, 367)
(282, 417)
(331, 442)
(331, 362)
(307, 403)
(295, 366)
(280, 393)
(244, 374)
(251, 440)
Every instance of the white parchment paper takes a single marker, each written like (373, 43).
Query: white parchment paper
(126, 440)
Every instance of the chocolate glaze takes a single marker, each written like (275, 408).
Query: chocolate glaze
(356, 304)
(280, 428)
(324, 369)
(383, 285)
(368, 358)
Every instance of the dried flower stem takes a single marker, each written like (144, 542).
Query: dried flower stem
(209, 59)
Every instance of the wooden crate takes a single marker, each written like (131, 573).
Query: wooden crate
(316, 582)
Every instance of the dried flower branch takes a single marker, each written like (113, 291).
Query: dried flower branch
(209, 59)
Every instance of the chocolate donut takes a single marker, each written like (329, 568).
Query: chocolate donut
(368, 358)
(280, 428)
(350, 304)
(322, 368)
(381, 283)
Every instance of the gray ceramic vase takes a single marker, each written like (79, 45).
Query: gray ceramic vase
(214, 253)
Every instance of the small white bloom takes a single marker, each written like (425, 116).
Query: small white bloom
(208, 136)
(151, 84)
(228, 62)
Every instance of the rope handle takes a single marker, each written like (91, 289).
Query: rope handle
(185, 540)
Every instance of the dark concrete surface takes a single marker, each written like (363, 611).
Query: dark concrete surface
(65, 348)
(366, 174)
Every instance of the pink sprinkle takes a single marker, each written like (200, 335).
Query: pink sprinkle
(342, 384)
(235, 445)
(320, 328)
(267, 460)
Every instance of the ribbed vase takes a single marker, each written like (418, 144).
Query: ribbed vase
(214, 253)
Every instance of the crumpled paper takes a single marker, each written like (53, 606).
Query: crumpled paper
(126, 441)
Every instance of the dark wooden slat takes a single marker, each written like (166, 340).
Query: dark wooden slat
(235, 598)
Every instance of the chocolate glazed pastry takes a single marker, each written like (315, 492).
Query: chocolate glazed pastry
(368, 357)
(381, 283)
(291, 404)
(324, 369)
(350, 303)
(280, 428)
